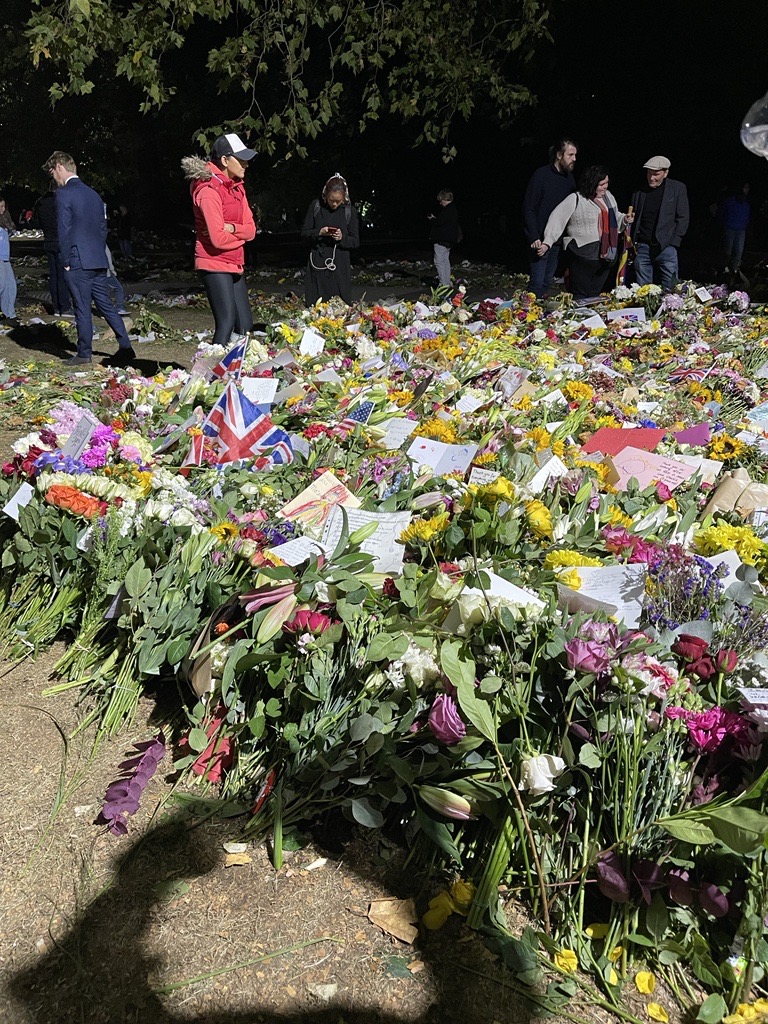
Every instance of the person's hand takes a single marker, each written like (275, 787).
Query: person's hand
(542, 248)
(536, 244)
(630, 218)
(230, 228)
(430, 216)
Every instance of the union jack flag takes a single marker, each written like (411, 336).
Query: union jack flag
(242, 432)
(232, 362)
(695, 375)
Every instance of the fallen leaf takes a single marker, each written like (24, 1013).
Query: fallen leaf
(234, 860)
(235, 847)
(324, 993)
(290, 990)
(416, 966)
(395, 917)
(319, 863)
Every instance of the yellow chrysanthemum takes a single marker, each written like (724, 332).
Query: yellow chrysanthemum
(438, 430)
(725, 537)
(547, 360)
(425, 529)
(566, 559)
(614, 516)
(578, 391)
(625, 365)
(666, 350)
(523, 404)
(144, 480)
(566, 961)
(539, 519)
(541, 437)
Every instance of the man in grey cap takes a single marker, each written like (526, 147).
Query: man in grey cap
(661, 220)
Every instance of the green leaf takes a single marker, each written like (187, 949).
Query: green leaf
(713, 1009)
(460, 669)
(198, 740)
(439, 833)
(741, 829)
(589, 756)
(688, 830)
(366, 814)
(385, 647)
(362, 727)
(137, 579)
(657, 917)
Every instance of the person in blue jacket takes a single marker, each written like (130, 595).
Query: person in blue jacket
(734, 213)
(7, 279)
(82, 225)
(548, 187)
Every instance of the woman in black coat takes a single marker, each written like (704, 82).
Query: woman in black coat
(332, 226)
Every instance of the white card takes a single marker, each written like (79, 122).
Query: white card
(595, 321)
(702, 294)
(22, 497)
(442, 458)
(470, 403)
(481, 477)
(622, 586)
(300, 444)
(634, 313)
(78, 440)
(312, 343)
(754, 695)
(292, 391)
(554, 468)
(383, 545)
(298, 550)
(398, 430)
(260, 390)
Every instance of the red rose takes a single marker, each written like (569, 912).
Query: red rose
(726, 660)
(690, 647)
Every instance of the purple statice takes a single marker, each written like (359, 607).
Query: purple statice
(427, 334)
(123, 796)
(681, 588)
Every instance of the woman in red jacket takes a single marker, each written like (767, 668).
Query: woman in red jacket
(223, 224)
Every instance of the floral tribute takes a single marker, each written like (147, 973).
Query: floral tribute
(509, 587)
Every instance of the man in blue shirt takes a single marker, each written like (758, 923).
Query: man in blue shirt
(82, 226)
(548, 187)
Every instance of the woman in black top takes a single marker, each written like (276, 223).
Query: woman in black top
(332, 227)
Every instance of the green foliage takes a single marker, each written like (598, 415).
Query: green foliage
(299, 65)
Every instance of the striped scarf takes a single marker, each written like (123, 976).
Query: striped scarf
(609, 232)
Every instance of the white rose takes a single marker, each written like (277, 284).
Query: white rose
(473, 609)
(537, 774)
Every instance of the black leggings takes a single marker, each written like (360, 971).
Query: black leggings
(228, 296)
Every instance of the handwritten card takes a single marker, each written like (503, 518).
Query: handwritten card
(298, 550)
(312, 343)
(755, 696)
(383, 545)
(260, 390)
(708, 469)
(553, 468)
(22, 497)
(648, 468)
(329, 376)
(440, 457)
(396, 432)
(498, 587)
(292, 391)
(300, 444)
(81, 434)
(612, 440)
(471, 403)
(313, 506)
(621, 586)
(480, 477)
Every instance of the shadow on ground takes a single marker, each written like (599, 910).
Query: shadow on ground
(98, 972)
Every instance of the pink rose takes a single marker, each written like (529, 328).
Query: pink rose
(587, 656)
(445, 722)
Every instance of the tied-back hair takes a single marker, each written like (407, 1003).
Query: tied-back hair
(336, 183)
(6, 221)
(559, 147)
(590, 179)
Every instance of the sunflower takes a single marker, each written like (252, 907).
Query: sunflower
(724, 448)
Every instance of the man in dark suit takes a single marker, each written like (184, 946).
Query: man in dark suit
(82, 225)
(661, 221)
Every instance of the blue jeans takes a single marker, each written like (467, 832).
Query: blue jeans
(664, 262)
(7, 290)
(543, 270)
(88, 286)
(734, 247)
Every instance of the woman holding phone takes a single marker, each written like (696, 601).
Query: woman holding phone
(332, 226)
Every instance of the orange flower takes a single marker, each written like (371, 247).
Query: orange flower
(72, 500)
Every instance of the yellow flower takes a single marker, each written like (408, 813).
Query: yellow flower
(724, 448)
(657, 1012)
(613, 978)
(541, 437)
(425, 529)
(607, 421)
(570, 578)
(462, 893)
(625, 365)
(558, 448)
(566, 961)
(440, 909)
(400, 398)
(614, 516)
(615, 954)
(645, 982)
(560, 559)
(486, 459)
(439, 430)
(725, 537)
(666, 350)
(144, 479)
(539, 519)
(547, 360)
(578, 391)
(224, 531)
(491, 494)
(524, 404)
(598, 930)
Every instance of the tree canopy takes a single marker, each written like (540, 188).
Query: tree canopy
(301, 66)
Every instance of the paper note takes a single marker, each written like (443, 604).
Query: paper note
(292, 391)
(260, 390)
(612, 440)
(442, 458)
(553, 397)
(593, 322)
(634, 313)
(78, 440)
(314, 504)
(708, 469)
(757, 696)
(329, 376)
(298, 550)
(552, 468)
(730, 560)
(702, 294)
(312, 343)
(383, 545)
(622, 586)
(300, 444)
(471, 403)
(22, 497)
(397, 431)
(648, 468)
(480, 477)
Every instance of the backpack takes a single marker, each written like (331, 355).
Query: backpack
(347, 211)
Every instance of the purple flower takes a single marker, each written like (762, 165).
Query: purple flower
(587, 656)
(122, 796)
(445, 722)
(600, 632)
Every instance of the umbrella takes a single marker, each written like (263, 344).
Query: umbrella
(621, 273)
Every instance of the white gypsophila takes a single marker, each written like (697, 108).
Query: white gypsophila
(22, 446)
(420, 665)
(365, 348)
(395, 675)
(218, 660)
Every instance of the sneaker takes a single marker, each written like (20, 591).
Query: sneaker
(123, 312)
(77, 361)
(67, 316)
(123, 357)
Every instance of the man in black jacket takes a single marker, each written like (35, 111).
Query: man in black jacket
(661, 221)
(548, 187)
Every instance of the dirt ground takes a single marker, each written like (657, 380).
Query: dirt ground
(160, 926)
